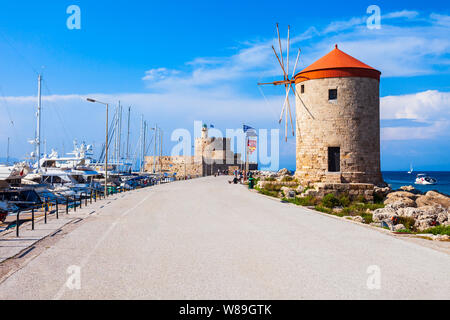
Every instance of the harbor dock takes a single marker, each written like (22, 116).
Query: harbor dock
(208, 239)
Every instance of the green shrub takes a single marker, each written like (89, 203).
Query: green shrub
(439, 230)
(344, 200)
(367, 217)
(287, 179)
(304, 202)
(324, 209)
(404, 231)
(378, 199)
(361, 199)
(270, 179)
(272, 187)
(330, 201)
(268, 193)
(407, 222)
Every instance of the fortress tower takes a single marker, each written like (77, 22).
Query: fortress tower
(338, 121)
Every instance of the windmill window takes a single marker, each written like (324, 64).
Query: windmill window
(302, 88)
(332, 94)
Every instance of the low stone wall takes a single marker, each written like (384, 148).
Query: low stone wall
(353, 190)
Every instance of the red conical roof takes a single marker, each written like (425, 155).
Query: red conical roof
(337, 64)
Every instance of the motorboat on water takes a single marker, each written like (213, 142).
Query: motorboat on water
(423, 179)
(22, 198)
(66, 183)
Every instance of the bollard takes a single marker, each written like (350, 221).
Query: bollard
(90, 196)
(86, 199)
(46, 208)
(81, 201)
(17, 224)
(32, 219)
(67, 205)
(57, 209)
(74, 204)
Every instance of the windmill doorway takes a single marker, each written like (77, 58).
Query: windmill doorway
(334, 159)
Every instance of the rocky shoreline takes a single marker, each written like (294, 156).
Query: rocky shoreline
(405, 211)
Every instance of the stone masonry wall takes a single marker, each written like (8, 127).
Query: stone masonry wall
(351, 123)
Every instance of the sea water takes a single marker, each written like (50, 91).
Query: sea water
(399, 179)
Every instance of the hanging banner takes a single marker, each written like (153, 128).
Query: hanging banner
(252, 145)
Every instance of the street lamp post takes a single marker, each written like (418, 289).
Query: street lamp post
(106, 143)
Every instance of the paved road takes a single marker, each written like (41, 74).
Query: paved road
(206, 239)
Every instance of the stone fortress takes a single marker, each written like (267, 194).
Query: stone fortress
(210, 155)
(338, 124)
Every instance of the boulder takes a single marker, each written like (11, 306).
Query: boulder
(285, 178)
(410, 189)
(443, 217)
(401, 194)
(284, 172)
(288, 192)
(413, 213)
(356, 219)
(433, 198)
(383, 214)
(382, 192)
(425, 224)
(398, 203)
(300, 190)
(399, 227)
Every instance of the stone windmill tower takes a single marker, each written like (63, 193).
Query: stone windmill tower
(337, 119)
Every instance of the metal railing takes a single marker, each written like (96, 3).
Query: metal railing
(49, 207)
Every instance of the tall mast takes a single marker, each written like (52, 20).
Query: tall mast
(160, 150)
(144, 146)
(142, 143)
(7, 153)
(128, 134)
(38, 125)
(154, 151)
(119, 145)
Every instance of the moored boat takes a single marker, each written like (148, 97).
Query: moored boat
(423, 179)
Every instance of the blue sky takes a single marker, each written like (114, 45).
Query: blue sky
(177, 62)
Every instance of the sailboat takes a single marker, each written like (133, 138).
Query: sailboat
(411, 170)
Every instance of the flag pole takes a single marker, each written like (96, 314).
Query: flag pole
(247, 160)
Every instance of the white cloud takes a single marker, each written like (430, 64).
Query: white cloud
(436, 130)
(159, 74)
(412, 46)
(432, 108)
(401, 14)
(422, 106)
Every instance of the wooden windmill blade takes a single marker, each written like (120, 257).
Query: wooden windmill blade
(296, 63)
(288, 87)
(287, 82)
(281, 50)
(286, 77)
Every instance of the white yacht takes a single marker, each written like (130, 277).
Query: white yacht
(17, 171)
(423, 179)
